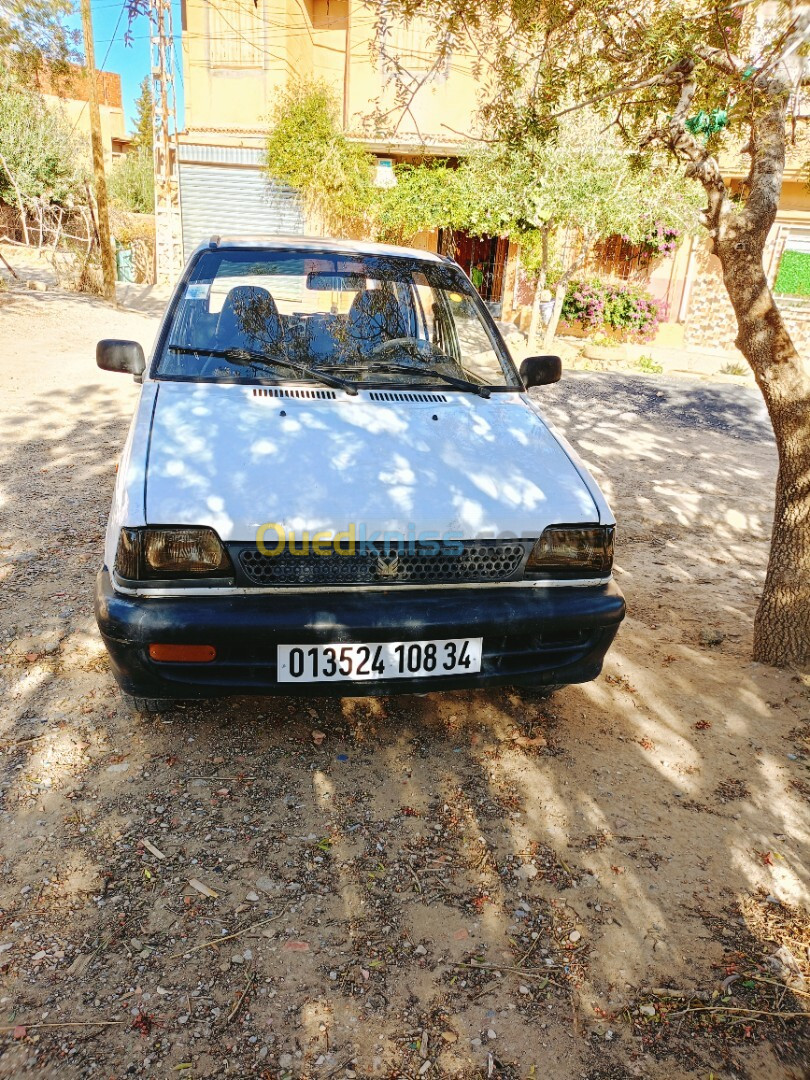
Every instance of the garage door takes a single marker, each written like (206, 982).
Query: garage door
(220, 199)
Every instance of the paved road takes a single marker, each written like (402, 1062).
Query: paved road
(734, 410)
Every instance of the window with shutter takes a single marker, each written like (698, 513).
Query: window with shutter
(236, 33)
(410, 43)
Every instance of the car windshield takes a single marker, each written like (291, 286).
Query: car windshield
(264, 315)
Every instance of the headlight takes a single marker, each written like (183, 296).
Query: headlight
(570, 548)
(171, 553)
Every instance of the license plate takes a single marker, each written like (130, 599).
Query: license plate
(378, 660)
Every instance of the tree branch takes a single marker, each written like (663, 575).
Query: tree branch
(701, 165)
(721, 59)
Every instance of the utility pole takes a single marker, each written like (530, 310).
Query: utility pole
(107, 259)
(347, 64)
(168, 239)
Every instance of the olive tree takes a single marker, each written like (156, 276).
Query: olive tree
(580, 185)
(691, 78)
(307, 149)
(40, 157)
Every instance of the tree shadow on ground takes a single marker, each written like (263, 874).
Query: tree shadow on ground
(479, 879)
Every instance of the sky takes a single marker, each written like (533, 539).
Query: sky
(131, 62)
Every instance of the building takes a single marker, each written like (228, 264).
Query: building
(703, 310)
(238, 55)
(70, 94)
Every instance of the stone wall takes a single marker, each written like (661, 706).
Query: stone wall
(710, 322)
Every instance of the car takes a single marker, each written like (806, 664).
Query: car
(337, 482)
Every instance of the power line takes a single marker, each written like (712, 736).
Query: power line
(104, 61)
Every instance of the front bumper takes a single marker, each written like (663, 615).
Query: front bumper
(532, 636)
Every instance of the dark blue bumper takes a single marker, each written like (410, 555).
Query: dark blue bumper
(532, 636)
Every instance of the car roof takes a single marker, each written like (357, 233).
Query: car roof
(319, 244)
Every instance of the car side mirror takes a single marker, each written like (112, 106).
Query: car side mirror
(540, 370)
(115, 355)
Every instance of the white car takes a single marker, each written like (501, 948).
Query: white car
(336, 482)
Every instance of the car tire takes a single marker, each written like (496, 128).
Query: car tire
(151, 706)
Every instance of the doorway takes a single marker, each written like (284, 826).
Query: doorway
(483, 260)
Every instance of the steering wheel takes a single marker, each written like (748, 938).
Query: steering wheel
(419, 350)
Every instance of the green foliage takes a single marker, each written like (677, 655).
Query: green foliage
(144, 130)
(598, 305)
(38, 147)
(428, 196)
(793, 277)
(307, 150)
(33, 32)
(542, 55)
(734, 367)
(649, 366)
(580, 178)
(132, 181)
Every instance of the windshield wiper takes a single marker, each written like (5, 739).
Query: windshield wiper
(418, 369)
(248, 357)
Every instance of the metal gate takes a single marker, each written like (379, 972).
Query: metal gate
(225, 191)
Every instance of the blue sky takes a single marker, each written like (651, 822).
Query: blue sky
(131, 62)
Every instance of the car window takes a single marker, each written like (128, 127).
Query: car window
(259, 314)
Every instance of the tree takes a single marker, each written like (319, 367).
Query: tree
(33, 32)
(39, 155)
(132, 181)
(335, 177)
(306, 148)
(688, 78)
(580, 185)
(144, 130)
(430, 195)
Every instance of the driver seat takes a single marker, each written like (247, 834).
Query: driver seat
(374, 317)
(249, 320)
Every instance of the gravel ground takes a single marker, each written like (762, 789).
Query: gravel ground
(610, 884)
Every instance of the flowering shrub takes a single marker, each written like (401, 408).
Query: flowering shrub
(660, 240)
(596, 305)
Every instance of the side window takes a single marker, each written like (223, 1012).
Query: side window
(480, 358)
(431, 316)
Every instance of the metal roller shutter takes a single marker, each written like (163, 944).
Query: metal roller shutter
(233, 200)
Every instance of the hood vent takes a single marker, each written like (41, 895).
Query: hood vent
(277, 392)
(404, 395)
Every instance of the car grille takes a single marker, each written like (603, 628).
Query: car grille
(479, 561)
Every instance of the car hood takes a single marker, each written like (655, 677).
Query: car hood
(235, 457)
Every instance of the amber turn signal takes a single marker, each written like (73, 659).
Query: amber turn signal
(183, 654)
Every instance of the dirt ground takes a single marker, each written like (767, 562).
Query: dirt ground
(610, 884)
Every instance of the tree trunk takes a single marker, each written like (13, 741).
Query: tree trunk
(782, 623)
(554, 321)
(562, 289)
(534, 325)
(18, 193)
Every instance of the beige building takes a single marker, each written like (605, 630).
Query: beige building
(70, 95)
(238, 55)
(704, 314)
